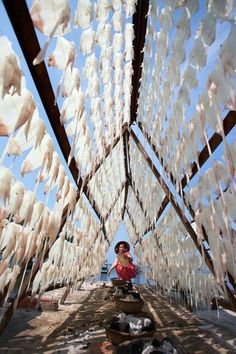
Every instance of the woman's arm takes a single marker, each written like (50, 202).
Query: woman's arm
(128, 256)
(112, 267)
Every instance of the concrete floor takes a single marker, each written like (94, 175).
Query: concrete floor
(81, 320)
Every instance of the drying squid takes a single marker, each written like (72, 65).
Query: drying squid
(117, 42)
(183, 27)
(20, 142)
(207, 30)
(221, 89)
(198, 55)
(165, 18)
(70, 105)
(16, 111)
(130, 6)
(11, 75)
(91, 66)
(116, 4)
(25, 212)
(16, 197)
(63, 55)
(84, 14)
(52, 18)
(227, 53)
(36, 213)
(6, 178)
(87, 41)
(220, 8)
(93, 86)
(178, 50)
(5, 279)
(190, 77)
(117, 21)
(102, 10)
(129, 37)
(104, 35)
(53, 227)
(60, 177)
(71, 81)
(41, 156)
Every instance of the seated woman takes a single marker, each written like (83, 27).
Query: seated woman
(125, 269)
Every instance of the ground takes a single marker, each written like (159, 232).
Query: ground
(79, 325)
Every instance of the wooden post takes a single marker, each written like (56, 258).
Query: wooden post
(65, 294)
(182, 217)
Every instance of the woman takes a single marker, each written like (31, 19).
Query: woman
(125, 269)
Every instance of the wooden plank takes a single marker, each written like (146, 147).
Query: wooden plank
(125, 199)
(140, 25)
(184, 220)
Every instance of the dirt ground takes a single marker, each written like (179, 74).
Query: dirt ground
(79, 325)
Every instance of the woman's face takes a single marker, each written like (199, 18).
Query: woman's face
(122, 248)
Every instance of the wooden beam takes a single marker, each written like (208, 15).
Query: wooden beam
(125, 150)
(125, 199)
(186, 223)
(140, 25)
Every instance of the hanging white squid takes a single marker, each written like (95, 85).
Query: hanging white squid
(84, 14)
(16, 111)
(10, 73)
(117, 21)
(52, 18)
(87, 41)
(102, 10)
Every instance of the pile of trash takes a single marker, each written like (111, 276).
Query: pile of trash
(131, 324)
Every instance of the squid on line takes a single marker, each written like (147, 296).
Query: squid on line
(117, 21)
(11, 75)
(102, 10)
(84, 14)
(63, 55)
(130, 6)
(16, 111)
(87, 41)
(52, 18)
(220, 8)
